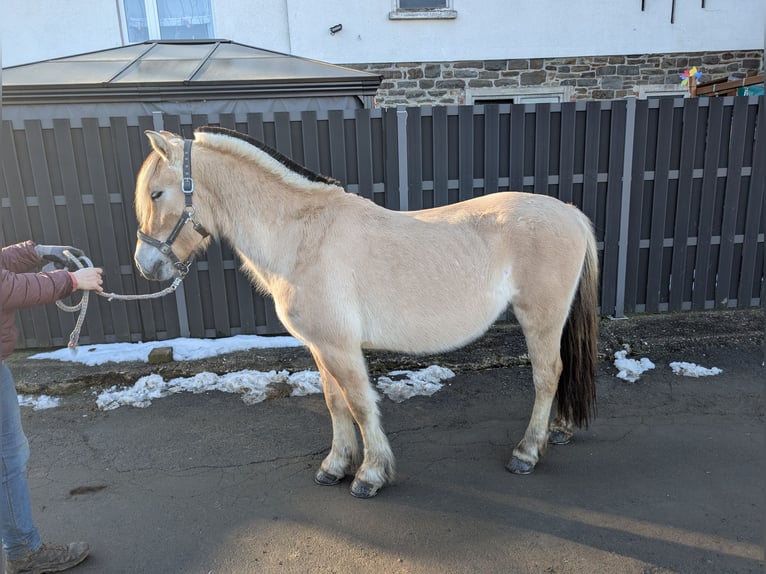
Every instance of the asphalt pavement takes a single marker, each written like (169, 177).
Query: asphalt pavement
(668, 478)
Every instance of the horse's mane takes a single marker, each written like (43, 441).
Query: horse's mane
(281, 158)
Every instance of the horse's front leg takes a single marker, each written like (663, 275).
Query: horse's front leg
(348, 369)
(344, 456)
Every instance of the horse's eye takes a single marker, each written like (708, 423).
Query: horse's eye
(156, 195)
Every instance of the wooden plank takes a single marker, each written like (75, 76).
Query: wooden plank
(678, 266)
(516, 148)
(441, 155)
(310, 140)
(465, 154)
(659, 206)
(632, 282)
(255, 126)
(703, 265)
(391, 177)
(542, 147)
(491, 147)
(613, 206)
(106, 255)
(72, 188)
(724, 288)
(414, 158)
(590, 169)
(37, 325)
(284, 143)
(754, 214)
(567, 152)
(337, 146)
(363, 140)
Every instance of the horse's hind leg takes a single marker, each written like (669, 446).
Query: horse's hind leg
(561, 430)
(542, 328)
(344, 454)
(348, 370)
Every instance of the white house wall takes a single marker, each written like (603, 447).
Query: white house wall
(33, 30)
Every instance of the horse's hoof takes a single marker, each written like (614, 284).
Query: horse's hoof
(363, 489)
(518, 466)
(323, 478)
(559, 437)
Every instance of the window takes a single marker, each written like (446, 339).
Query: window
(540, 95)
(168, 19)
(653, 91)
(421, 9)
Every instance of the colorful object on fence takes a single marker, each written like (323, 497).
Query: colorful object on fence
(690, 77)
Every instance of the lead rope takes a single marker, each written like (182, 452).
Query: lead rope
(82, 262)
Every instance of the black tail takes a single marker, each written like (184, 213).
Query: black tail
(576, 395)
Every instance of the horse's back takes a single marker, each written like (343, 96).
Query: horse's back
(431, 280)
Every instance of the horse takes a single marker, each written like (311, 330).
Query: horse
(346, 275)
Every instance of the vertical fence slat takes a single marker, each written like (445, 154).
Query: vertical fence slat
(516, 148)
(633, 270)
(613, 206)
(567, 152)
(703, 266)
(414, 158)
(542, 147)
(441, 156)
(107, 252)
(683, 205)
(731, 203)
(754, 213)
(590, 169)
(363, 130)
(491, 147)
(391, 182)
(337, 146)
(465, 145)
(659, 206)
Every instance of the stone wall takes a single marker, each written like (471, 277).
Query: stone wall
(585, 77)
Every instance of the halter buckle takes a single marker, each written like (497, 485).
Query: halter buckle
(187, 185)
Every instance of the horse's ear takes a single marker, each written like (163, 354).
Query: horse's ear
(159, 143)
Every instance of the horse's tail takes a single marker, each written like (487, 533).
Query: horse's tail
(576, 395)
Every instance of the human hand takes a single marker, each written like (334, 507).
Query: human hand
(89, 279)
(55, 254)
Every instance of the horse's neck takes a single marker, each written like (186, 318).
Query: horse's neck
(259, 214)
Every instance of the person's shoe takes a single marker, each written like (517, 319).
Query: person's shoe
(49, 558)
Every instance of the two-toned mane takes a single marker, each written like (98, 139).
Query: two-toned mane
(346, 275)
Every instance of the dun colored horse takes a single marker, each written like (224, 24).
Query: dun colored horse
(346, 275)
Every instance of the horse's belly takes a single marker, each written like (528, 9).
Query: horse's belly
(439, 320)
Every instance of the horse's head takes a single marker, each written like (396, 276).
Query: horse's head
(164, 207)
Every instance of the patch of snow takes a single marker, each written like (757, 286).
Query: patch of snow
(184, 349)
(40, 402)
(630, 369)
(252, 385)
(693, 370)
(402, 385)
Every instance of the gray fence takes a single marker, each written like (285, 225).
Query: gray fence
(670, 184)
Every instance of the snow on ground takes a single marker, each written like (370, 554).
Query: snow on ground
(630, 369)
(184, 349)
(40, 402)
(693, 370)
(252, 385)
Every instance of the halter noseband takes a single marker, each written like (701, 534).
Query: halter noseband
(187, 186)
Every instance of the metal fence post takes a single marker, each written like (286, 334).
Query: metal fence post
(183, 319)
(627, 172)
(401, 140)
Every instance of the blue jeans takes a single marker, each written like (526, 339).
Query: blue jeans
(20, 535)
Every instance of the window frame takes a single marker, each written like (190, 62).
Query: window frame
(446, 13)
(153, 21)
(519, 95)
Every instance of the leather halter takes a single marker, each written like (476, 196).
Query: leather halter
(187, 187)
